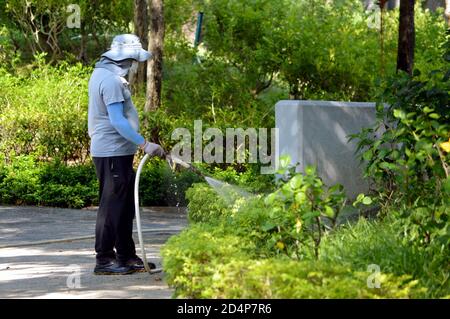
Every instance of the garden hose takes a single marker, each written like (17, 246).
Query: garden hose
(173, 161)
(138, 217)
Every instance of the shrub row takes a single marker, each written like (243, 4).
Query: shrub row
(211, 261)
(243, 250)
(26, 181)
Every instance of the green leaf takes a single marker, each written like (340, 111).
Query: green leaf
(268, 226)
(367, 200)
(367, 156)
(285, 161)
(388, 166)
(336, 188)
(286, 190)
(296, 181)
(300, 198)
(400, 114)
(310, 215)
(426, 109)
(270, 199)
(329, 211)
(310, 170)
(446, 185)
(434, 116)
(360, 197)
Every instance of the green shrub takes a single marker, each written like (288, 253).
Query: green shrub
(247, 176)
(208, 204)
(406, 162)
(206, 260)
(20, 181)
(310, 48)
(204, 205)
(26, 181)
(68, 186)
(191, 257)
(44, 112)
(280, 278)
(298, 211)
(9, 56)
(210, 261)
(290, 220)
(72, 195)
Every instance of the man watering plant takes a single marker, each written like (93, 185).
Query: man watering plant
(113, 125)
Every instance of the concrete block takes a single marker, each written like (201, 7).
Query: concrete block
(316, 133)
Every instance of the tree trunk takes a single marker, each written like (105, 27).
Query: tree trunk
(155, 46)
(447, 12)
(406, 37)
(82, 55)
(141, 30)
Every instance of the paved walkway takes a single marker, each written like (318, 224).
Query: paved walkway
(64, 269)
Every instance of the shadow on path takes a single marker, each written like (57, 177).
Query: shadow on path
(64, 269)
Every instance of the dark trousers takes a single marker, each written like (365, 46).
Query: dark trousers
(114, 226)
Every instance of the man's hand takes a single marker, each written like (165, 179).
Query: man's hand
(153, 149)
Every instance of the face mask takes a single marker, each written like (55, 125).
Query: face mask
(120, 68)
(134, 67)
(125, 65)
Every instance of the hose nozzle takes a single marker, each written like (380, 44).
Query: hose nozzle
(173, 161)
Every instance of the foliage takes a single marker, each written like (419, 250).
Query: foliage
(247, 176)
(42, 26)
(404, 153)
(276, 245)
(19, 180)
(378, 242)
(191, 257)
(204, 204)
(261, 247)
(44, 112)
(9, 56)
(241, 33)
(25, 181)
(210, 205)
(312, 47)
(226, 257)
(297, 210)
(67, 186)
(213, 91)
(208, 261)
(278, 278)
(291, 220)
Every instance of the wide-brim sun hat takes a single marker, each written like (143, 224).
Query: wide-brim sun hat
(127, 46)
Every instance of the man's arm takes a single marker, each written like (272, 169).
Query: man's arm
(121, 124)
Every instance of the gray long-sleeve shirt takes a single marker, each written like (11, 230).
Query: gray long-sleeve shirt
(107, 87)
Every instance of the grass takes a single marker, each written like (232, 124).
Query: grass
(378, 242)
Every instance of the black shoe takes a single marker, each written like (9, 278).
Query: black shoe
(112, 268)
(137, 264)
